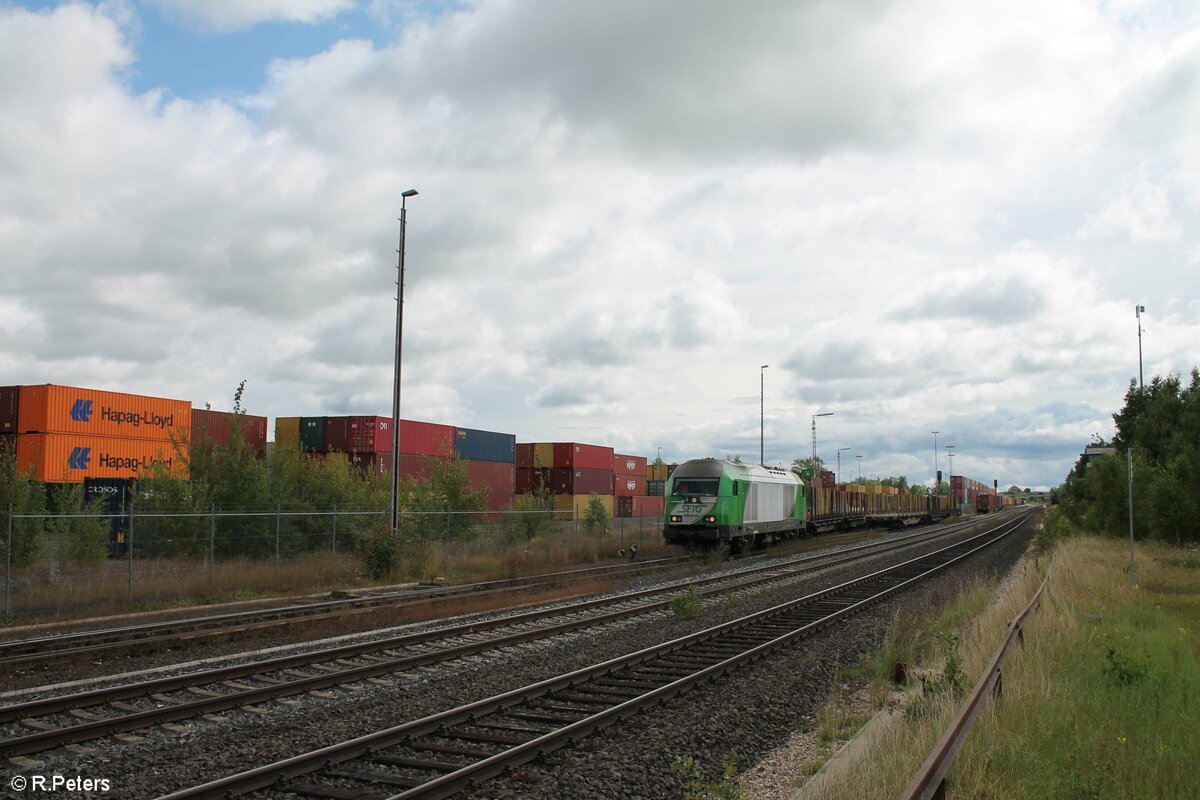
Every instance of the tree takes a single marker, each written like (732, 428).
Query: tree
(809, 463)
(595, 518)
(26, 497)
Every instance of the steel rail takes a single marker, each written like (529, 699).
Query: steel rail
(908, 572)
(929, 783)
(32, 650)
(85, 731)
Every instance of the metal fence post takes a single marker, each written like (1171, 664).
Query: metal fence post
(8, 567)
(212, 543)
(129, 550)
(335, 530)
(278, 520)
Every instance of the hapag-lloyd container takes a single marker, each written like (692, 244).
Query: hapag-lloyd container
(629, 486)
(629, 465)
(49, 408)
(10, 403)
(69, 457)
(574, 455)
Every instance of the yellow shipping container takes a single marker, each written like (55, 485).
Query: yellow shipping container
(543, 455)
(577, 504)
(287, 433)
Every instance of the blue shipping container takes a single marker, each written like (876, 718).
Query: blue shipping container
(474, 445)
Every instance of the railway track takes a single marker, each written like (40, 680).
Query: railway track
(78, 717)
(26, 652)
(440, 755)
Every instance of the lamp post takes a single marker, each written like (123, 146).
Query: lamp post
(393, 510)
(1139, 310)
(859, 468)
(761, 395)
(950, 456)
(935, 469)
(814, 435)
(838, 477)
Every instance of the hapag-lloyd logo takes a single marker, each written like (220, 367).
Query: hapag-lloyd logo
(81, 411)
(81, 458)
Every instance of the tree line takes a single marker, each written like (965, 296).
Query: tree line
(1159, 425)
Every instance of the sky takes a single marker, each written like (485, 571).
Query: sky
(922, 216)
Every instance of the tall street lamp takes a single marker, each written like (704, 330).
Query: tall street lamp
(1139, 310)
(814, 435)
(394, 511)
(761, 396)
(935, 469)
(859, 468)
(950, 456)
(838, 477)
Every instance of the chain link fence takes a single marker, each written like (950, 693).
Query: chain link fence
(105, 562)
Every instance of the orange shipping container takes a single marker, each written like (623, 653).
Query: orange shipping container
(47, 408)
(69, 458)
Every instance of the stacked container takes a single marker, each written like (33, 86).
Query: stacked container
(491, 464)
(211, 428)
(572, 472)
(66, 434)
(10, 397)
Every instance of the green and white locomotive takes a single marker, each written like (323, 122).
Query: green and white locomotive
(729, 504)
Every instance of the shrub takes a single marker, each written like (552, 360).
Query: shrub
(688, 604)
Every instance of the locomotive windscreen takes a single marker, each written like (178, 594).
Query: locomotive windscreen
(699, 487)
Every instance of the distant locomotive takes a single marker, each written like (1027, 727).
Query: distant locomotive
(714, 502)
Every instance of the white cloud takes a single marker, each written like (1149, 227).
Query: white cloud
(231, 15)
(925, 216)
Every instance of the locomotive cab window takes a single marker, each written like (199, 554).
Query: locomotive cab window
(735, 488)
(697, 486)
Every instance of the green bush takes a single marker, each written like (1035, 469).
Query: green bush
(595, 518)
(687, 604)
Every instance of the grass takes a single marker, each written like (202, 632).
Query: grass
(53, 591)
(1100, 702)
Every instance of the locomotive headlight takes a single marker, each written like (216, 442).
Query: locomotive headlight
(710, 518)
(676, 518)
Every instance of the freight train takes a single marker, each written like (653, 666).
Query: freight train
(719, 503)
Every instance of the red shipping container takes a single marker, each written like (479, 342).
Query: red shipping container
(491, 476)
(498, 501)
(629, 465)
(417, 467)
(523, 455)
(531, 480)
(337, 434)
(216, 427)
(70, 457)
(629, 486)
(377, 464)
(426, 438)
(370, 435)
(581, 481)
(9, 407)
(573, 455)
(648, 507)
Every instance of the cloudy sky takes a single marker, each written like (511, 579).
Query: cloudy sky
(921, 215)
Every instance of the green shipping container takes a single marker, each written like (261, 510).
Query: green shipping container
(312, 434)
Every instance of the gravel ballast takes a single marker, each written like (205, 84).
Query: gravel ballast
(750, 713)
